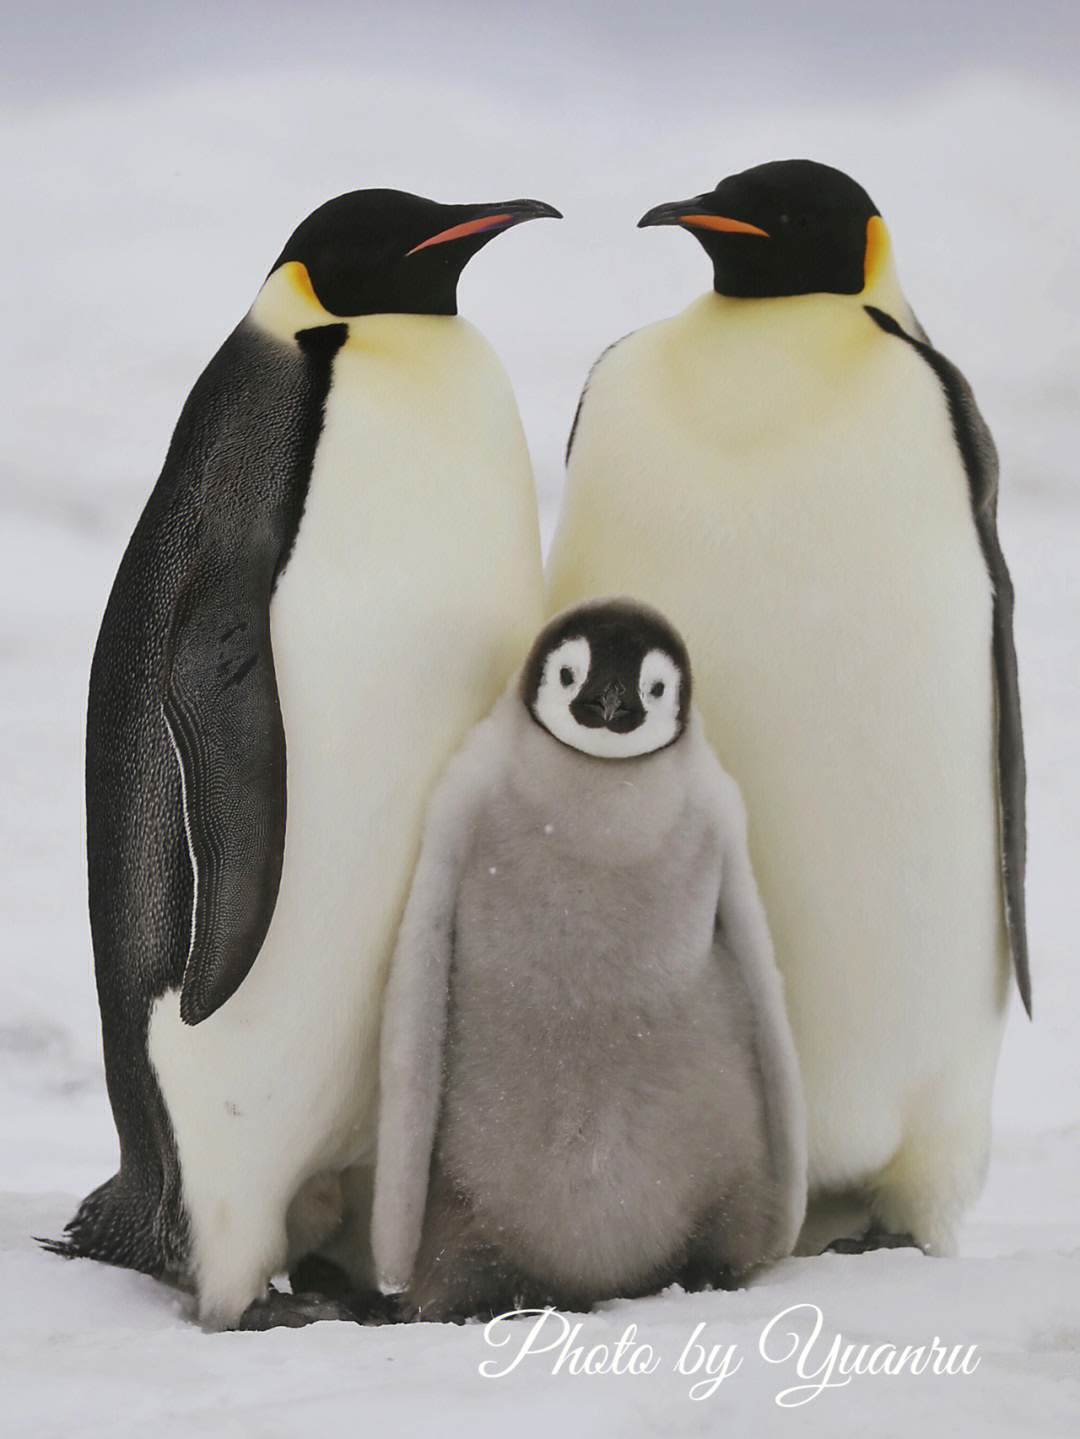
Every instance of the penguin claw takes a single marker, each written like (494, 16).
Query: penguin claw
(292, 1311)
(697, 1275)
(368, 1306)
(874, 1238)
(320, 1280)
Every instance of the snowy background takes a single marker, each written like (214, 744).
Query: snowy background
(155, 160)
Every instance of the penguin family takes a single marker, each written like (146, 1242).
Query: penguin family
(332, 581)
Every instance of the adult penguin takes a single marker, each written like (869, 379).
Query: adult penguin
(792, 473)
(334, 576)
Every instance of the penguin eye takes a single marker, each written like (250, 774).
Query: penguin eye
(566, 675)
(657, 689)
(785, 219)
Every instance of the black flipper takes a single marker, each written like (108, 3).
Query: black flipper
(585, 390)
(981, 465)
(220, 702)
(228, 502)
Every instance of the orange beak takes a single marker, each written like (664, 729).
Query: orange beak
(513, 212)
(696, 213)
(720, 222)
(459, 232)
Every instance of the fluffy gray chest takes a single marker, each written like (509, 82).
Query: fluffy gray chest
(565, 918)
(597, 1038)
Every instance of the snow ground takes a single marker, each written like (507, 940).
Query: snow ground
(143, 219)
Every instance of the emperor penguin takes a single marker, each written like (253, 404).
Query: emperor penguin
(588, 1086)
(334, 576)
(805, 485)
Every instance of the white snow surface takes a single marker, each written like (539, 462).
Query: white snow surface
(141, 219)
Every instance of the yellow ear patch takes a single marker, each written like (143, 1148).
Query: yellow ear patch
(287, 303)
(301, 280)
(877, 250)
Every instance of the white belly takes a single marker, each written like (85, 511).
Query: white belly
(794, 503)
(412, 592)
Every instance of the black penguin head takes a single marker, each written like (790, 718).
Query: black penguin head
(610, 678)
(387, 252)
(791, 227)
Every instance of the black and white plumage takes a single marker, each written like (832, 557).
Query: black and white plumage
(793, 474)
(584, 1043)
(347, 497)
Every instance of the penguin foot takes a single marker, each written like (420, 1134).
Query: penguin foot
(292, 1311)
(317, 1278)
(699, 1274)
(315, 1274)
(368, 1306)
(874, 1238)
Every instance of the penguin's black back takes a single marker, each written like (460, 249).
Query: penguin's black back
(235, 477)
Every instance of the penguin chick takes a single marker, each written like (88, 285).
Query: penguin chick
(584, 1044)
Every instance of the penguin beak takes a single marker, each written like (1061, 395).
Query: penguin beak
(491, 218)
(611, 702)
(695, 214)
(609, 706)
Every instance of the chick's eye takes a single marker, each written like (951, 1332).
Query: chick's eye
(566, 675)
(657, 689)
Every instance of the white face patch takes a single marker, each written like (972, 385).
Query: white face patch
(659, 686)
(566, 669)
